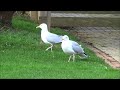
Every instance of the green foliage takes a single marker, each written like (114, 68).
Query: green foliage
(23, 23)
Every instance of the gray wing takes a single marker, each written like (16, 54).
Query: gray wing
(77, 48)
(54, 38)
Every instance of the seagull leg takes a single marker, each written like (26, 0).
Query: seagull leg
(49, 48)
(79, 57)
(73, 57)
(69, 58)
(52, 51)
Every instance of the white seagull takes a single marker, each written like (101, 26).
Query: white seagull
(47, 37)
(71, 47)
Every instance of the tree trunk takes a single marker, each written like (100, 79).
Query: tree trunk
(6, 18)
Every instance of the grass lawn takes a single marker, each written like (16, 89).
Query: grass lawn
(22, 56)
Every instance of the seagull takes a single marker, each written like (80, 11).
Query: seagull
(48, 37)
(71, 47)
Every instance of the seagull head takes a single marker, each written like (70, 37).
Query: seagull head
(65, 37)
(42, 26)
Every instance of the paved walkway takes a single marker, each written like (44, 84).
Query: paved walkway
(107, 39)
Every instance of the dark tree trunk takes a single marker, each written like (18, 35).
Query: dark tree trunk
(6, 18)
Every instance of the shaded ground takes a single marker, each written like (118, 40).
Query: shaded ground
(104, 39)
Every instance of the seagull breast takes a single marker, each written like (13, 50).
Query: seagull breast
(67, 47)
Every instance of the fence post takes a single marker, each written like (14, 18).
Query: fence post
(49, 19)
(45, 17)
(34, 15)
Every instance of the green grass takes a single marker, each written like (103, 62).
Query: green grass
(23, 56)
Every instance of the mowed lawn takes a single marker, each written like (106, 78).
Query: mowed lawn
(23, 56)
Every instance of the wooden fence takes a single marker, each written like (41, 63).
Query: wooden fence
(75, 18)
(41, 17)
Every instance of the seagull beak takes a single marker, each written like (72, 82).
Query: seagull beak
(37, 27)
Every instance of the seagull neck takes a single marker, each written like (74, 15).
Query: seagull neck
(45, 30)
(65, 40)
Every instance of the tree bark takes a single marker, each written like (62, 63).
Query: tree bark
(6, 18)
